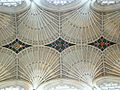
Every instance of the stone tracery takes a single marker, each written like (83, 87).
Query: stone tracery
(40, 28)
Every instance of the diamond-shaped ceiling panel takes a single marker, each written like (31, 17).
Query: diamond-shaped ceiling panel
(60, 44)
(102, 43)
(17, 46)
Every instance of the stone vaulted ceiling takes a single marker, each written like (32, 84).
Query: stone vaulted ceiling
(38, 45)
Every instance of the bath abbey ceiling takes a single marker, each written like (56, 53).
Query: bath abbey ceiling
(61, 42)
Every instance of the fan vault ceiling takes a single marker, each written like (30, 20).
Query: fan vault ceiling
(38, 45)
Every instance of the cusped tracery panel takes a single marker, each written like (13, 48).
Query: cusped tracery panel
(82, 63)
(7, 64)
(38, 26)
(112, 61)
(112, 26)
(81, 25)
(38, 65)
(7, 28)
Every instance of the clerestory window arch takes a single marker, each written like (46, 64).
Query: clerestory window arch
(12, 88)
(107, 2)
(60, 2)
(11, 2)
